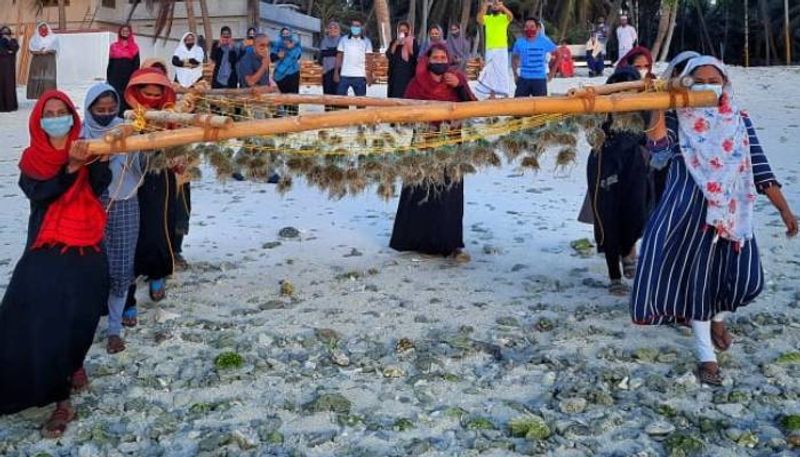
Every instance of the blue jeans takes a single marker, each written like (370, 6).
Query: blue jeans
(359, 86)
(531, 88)
(595, 65)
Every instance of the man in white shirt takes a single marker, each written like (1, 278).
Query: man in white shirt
(351, 62)
(626, 36)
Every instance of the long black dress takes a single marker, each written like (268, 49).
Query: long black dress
(621, 194)
(8, 74)
(118, 73)
(430, 219)
(157, 206)
(400, 72)
(51, 307)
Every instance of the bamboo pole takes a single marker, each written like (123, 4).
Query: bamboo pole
(435, 112)
(641, 85)
(198, 120)
(333, 100)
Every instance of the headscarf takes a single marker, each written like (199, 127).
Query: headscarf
(153, 62)
(715, 146)
(91, 128)
(46, 43)
(7, 45)
(594, 45)
(424, 87)
(429, 44)
(76, 218)
(677, 60)
(188, 76)
(124, 48)
(628, 59)
(144, 77)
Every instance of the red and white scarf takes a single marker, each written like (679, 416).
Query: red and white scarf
(716, 149)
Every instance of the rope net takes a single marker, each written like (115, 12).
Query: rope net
(347, 161)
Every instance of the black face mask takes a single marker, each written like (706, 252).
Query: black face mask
(189, 46)
(104, 119)
(438, 68)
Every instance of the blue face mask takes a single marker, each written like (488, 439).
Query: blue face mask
(355, 30)
(57, 127)
(716, 88)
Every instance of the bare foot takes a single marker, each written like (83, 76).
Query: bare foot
(720, 336)
(56, 425)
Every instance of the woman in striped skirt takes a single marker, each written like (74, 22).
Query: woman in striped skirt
(699, 258)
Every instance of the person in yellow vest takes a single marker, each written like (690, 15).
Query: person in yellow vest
(495, 79)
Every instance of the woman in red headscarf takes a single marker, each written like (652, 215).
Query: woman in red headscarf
(51, 307)
(123, 60)
(640, 59)
(430, 218)
(149, 88)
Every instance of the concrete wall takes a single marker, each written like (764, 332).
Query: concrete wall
(83, 57)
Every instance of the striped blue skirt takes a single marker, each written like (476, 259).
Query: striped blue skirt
(683, 273)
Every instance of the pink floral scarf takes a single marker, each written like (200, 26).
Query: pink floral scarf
(716, 149)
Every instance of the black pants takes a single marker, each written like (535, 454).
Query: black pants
(531, 88)
(329, 87)
(290, 84)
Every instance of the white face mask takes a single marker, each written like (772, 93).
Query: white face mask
(716, 88)
(401, 35)
(643, 73)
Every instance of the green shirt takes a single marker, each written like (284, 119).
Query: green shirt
(496, 30)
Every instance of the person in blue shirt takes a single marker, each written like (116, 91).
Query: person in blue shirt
(529, 60)
(285, 54)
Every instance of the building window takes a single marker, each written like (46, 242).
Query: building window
(109, 3)
(49, 3)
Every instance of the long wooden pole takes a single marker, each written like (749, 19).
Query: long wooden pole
(333, 100)
(199, 120)
(435, 112)
(641, 85)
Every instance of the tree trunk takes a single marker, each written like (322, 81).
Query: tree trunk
(707, 43)
(412, 15)
(62, 15)
(426, 10)
(206, 26)
(190, 16)
(383, 18)
(762, 4)
(663, 26)
(673, 19)
(466, 10)
(253, 13)
(746, 34)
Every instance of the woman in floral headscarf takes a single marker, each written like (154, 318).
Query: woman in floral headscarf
(699, 259)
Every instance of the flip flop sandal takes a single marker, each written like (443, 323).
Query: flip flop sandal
(79, 381)
(56, 425)
(130, 317)
(157, 290)
(629, 268)
(707, 376)
(618, 289)
(115, 344)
